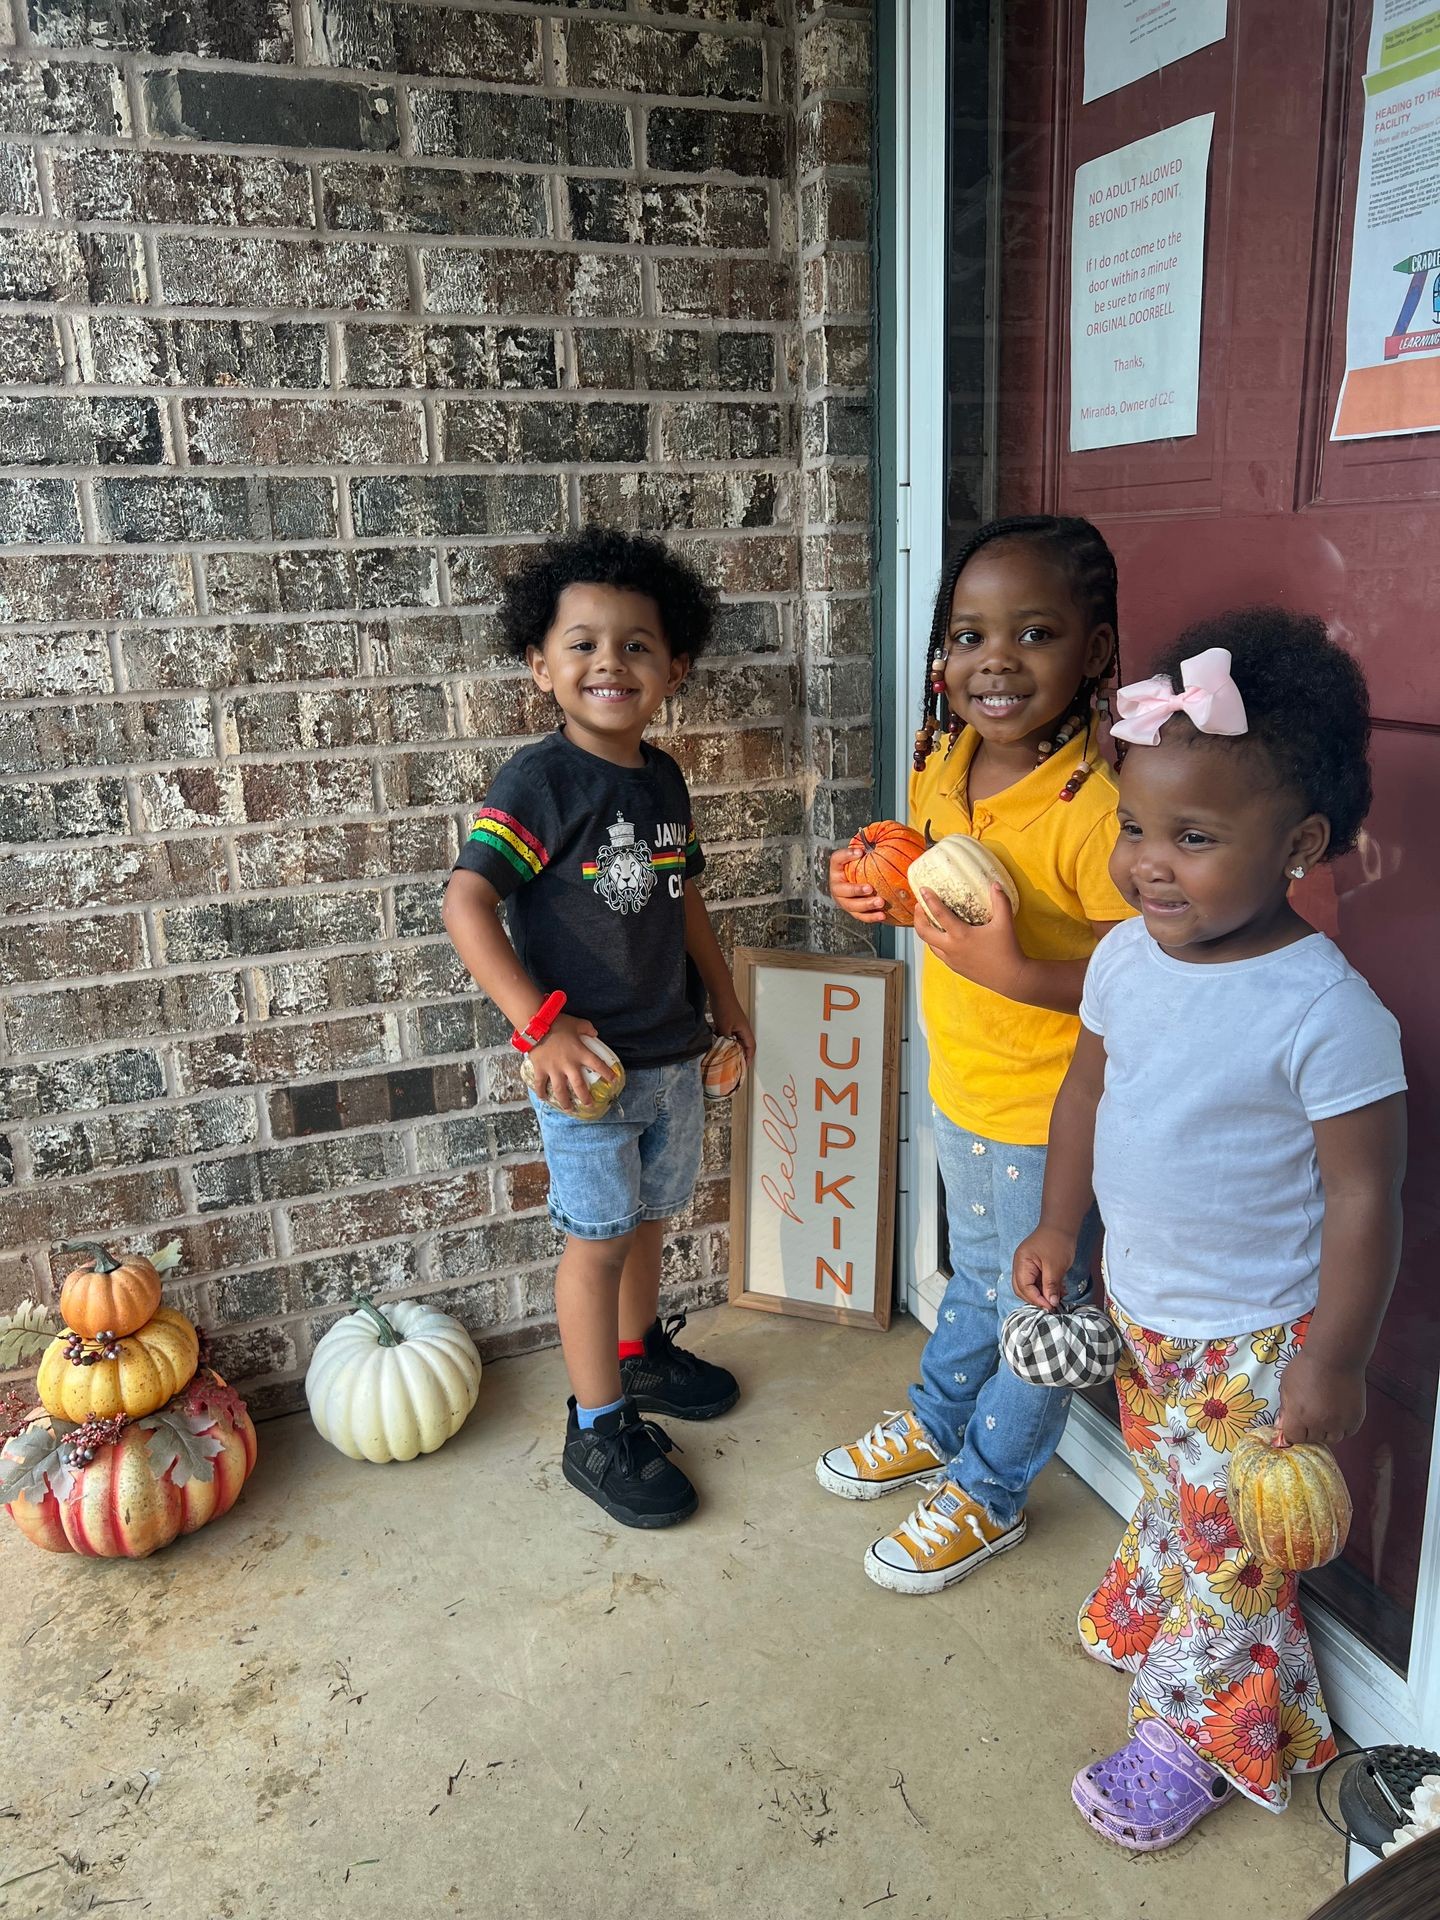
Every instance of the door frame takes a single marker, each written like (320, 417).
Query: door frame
(1372, 1702)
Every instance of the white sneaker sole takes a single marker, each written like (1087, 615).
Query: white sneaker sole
(897, 1580)
(849, 1489)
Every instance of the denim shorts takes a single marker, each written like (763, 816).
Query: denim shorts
(639, 1161)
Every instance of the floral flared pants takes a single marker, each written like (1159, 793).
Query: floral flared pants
(1215, 1640)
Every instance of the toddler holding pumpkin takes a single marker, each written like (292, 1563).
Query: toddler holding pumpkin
(1024, 636)
(587, 837)
(1236, 1105)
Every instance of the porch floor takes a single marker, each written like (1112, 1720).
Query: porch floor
(454, 1688)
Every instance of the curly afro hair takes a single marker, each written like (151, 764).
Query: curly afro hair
(1307, 705)
(603, 557)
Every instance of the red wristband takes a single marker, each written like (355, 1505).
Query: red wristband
(526, 1039)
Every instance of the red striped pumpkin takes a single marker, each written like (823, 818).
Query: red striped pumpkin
(880, 857)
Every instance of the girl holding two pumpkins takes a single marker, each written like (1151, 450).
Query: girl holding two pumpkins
(1023, 640)
(1236, 1106)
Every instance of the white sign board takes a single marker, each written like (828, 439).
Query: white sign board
(1127, 39)
(1137, 273)
(813, 1156)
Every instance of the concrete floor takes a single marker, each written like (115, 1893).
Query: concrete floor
(452, 1688)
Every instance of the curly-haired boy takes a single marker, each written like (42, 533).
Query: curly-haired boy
(589, 839)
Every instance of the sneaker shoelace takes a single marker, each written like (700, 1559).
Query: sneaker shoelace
(623, 1446)
(889, 1440)
(666, 1349)
(928, 1531)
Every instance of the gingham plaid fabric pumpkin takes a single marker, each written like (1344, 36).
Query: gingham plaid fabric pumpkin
(1078, 1348)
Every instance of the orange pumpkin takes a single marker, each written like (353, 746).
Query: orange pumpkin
(1290, 1505)
(123, 1505)
(106, 1295)
(723, 1068)
(880, 857)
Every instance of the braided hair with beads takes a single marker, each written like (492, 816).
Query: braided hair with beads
(1080, 549)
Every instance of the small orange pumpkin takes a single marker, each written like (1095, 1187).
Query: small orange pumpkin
(106, 1295)
(723, 1068)
(880, 857)
(1290, 1505)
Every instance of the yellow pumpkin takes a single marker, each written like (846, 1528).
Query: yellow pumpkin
(961, 871)
(106, 1295)
(151, 1367)
(1290, 1505)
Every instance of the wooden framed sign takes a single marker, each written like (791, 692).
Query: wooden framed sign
(813, 1165)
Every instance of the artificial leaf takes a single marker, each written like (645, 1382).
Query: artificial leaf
(181, 1444)
(33, 1462)
(167, 1258)
(25, 1332)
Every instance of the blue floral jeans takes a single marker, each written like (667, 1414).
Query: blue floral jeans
(996, 1430)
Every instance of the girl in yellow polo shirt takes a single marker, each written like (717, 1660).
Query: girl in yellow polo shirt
(1023, 639)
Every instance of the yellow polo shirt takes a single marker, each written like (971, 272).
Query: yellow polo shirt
(996, 1064)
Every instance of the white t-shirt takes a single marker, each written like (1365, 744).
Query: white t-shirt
(1205, 1166)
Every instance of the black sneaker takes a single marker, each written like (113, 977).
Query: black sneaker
(620, 1462)
(666, 1380)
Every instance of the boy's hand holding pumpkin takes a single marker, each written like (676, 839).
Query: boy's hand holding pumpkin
(560, 1061)
(1320, 1400)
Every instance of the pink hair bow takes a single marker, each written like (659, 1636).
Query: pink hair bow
(1209, 699)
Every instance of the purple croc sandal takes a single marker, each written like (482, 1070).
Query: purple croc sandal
(1151, 1793)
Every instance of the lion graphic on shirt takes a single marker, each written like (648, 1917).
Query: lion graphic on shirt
(624, 877)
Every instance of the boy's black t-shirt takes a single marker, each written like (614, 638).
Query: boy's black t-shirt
(593, 859)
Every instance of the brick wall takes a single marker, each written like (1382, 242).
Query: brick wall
(310, 316)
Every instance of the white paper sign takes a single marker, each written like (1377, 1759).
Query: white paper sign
(1137, 273)
(817, 1122)
(1127, 39)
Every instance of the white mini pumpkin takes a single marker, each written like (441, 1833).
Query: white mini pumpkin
(386, 1386)
(961, 871)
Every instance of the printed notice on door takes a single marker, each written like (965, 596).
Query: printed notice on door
(1127, 39)
(1392, 331)
(1137, 273)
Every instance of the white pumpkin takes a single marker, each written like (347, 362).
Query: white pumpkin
(961, 871)
(386, 1386)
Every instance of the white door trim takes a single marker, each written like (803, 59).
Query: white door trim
(918, 444)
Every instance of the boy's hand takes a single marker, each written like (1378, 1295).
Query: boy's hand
(728, 1017)
(1320, 1401)
(1042, 1261)
(861, 903)
(559, 1064)
(991, 955)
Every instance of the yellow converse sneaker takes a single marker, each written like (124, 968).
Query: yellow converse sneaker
(946, 1537)
(894, 1454)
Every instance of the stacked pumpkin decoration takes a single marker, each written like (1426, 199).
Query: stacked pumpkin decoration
(1290, 1504)
(880, 857)
(133, 1442)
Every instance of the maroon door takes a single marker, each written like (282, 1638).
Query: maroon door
(1259, 505)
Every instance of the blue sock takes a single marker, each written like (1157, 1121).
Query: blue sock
(587, 1416)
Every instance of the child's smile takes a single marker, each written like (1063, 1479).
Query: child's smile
(1205, 852)
(607, 661)
(1019, 646)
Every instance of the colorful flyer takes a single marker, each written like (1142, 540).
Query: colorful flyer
(1392, 336)
(1137, 273)
(1127, 39)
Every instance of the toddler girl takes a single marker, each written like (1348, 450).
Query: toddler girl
(1023, 637)
(1236, 1104)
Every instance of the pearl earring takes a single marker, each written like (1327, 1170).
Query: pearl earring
(1297, 873)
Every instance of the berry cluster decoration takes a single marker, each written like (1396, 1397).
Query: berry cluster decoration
(81, 1352)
